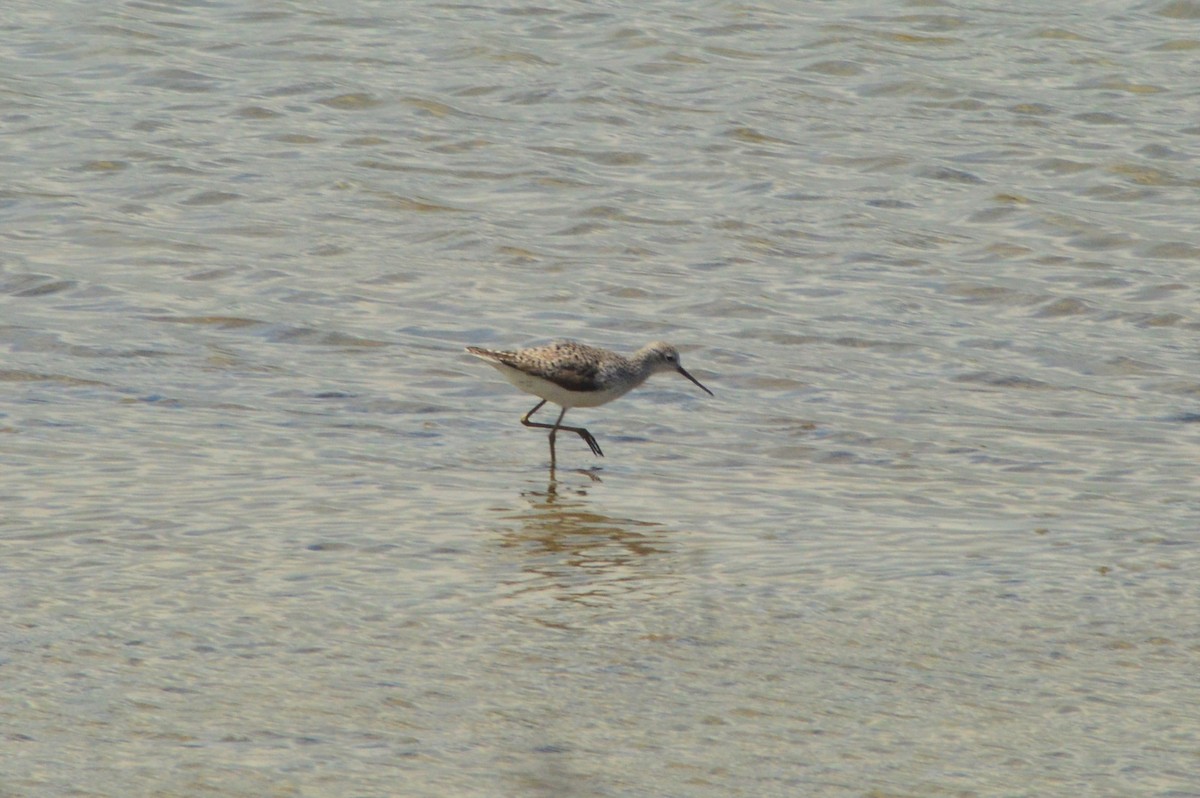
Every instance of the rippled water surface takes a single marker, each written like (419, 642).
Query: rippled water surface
(267, 530)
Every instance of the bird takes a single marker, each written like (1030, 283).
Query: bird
(571, 374)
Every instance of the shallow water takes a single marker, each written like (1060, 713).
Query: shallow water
(268, 530)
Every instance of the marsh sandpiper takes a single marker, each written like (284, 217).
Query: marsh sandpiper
(571, 374)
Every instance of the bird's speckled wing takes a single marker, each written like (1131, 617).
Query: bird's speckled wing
(569, 365)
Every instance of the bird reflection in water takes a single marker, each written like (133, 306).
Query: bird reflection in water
(578, 554)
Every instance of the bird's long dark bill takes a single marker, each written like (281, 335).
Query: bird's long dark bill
(693, 379)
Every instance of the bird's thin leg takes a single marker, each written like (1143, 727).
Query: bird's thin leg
(552, 427)
(525, 418)
(553, 433)
(556, 426)
(587, 436)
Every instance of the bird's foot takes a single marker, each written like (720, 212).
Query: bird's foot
(591, 442)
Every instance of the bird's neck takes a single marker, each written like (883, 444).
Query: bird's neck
(640, 362)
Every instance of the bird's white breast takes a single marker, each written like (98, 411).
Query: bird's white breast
(556, 393)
